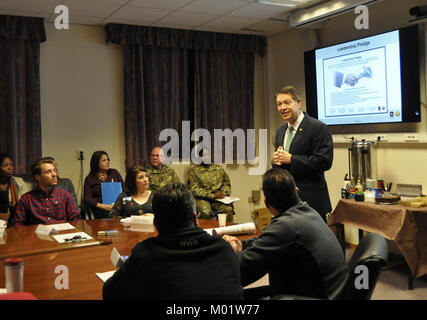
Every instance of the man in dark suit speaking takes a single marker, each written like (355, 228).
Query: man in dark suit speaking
(304, 147)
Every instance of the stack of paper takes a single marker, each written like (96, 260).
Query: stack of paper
(142, 223)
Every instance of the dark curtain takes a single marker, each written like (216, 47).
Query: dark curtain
(224, 93)
(156, 96)
(20, 125)
(169, 73)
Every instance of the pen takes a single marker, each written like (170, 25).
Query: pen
(107, 233)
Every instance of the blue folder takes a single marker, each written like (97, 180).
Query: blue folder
(110, 191)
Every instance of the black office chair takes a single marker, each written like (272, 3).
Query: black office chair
(86, 212)
(371, 252)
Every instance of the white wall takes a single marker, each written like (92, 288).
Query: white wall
(396, 162)
(81, 98)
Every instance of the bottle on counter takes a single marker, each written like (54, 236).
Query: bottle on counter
(359, 186)
(352, 190)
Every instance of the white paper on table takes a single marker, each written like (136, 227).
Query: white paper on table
(116, 258)
(141, 219)
(42, 236)
(2, 223)
(134, 220)
(46, 229)
(228, 200)
(142, 227)
(62, 226)
(60, 238)
(208, 231)
(235, 229)
(125, 221)
(104, 276)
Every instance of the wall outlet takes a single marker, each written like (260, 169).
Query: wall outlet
(256, 195)
(80, 155)
(411, 137)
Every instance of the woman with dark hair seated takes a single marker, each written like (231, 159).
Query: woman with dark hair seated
(100, 171)
(137, 200)
(11, 188)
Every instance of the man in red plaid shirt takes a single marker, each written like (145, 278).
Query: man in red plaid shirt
(45, 204)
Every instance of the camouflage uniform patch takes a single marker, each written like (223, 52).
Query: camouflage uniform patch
(161, 177)
(204, 182)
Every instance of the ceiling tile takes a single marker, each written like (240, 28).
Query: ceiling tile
(143, 14)
(213, 7)
(128, 21)
(30, 5)
(159, 4)
(231, 22)
(259, 11)
(118, 2)
(23, 13)
(90, 9)
(188, 18)
(215, 29)
(172, 26)
(270, 26)
(252, 32)
(85, 20)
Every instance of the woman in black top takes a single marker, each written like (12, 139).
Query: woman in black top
(138, 200)
(11, 187)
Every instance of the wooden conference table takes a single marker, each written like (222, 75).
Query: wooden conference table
(41, 257)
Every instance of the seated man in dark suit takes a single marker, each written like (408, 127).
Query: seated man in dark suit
(182, 262)
(300, 253)
(45, 204)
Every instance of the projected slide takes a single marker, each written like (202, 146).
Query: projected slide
(356, 84)
(359, 81)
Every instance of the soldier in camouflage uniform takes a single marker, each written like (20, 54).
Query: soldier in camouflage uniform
(159, 174)
(209, 182)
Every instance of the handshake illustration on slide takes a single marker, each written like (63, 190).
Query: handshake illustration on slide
(351, 79)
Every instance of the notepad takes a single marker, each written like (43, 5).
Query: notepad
(110, 191)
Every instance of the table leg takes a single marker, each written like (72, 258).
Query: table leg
(341, 236)
(401, 261)
(360, 234)
(410, 278)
